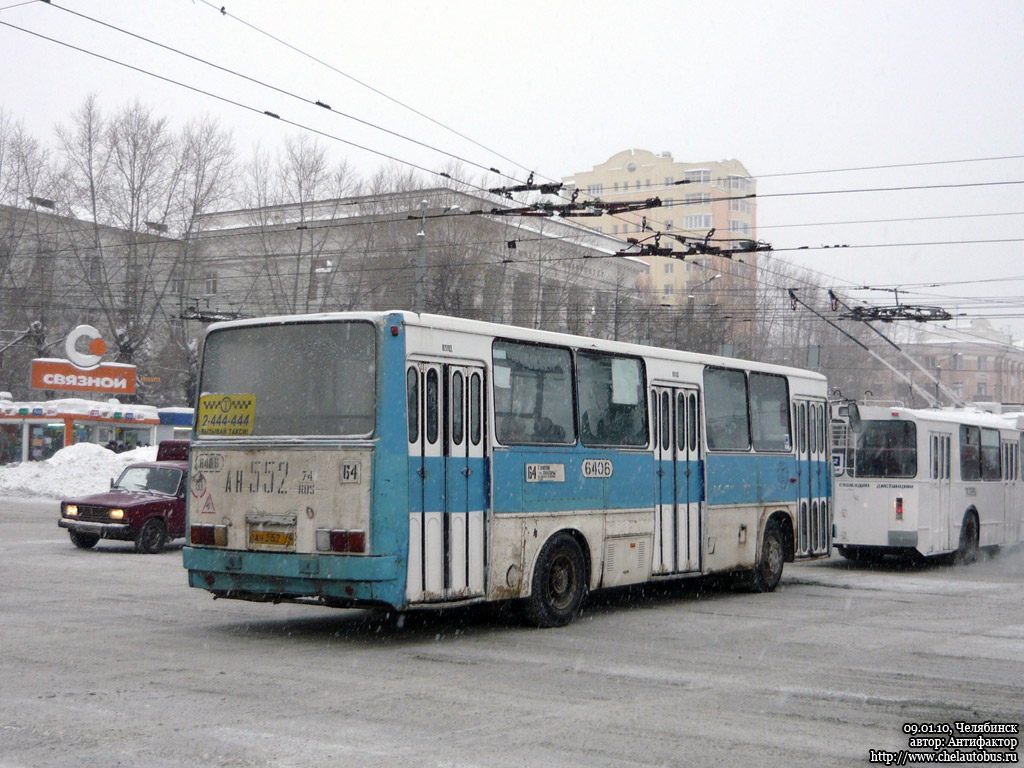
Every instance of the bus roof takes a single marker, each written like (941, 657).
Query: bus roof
(972, 417)
(462, 325)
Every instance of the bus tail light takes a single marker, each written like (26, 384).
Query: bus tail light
(357, 541)
(339, 541)
(899, 508)
(209, 535)
(328, 540)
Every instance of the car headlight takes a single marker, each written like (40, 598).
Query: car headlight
(71, 510)
(117, 514)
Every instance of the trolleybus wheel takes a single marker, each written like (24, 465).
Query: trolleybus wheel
(83, 540)
(967, 552)
(559, 583)
(151, 536)
(768, 569)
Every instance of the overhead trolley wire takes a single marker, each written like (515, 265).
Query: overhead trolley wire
(270, 86)
(223, 11)
(239, 104)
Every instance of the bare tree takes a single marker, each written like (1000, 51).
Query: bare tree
(288, 250)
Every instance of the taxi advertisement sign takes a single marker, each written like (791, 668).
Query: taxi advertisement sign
(226, 414)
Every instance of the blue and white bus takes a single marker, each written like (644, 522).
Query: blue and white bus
(406, 460)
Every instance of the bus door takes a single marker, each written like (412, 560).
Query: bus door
(1010, 463)
(812, 480)
(447, 481)
(939, 445)
(679, 480)
(465, 481)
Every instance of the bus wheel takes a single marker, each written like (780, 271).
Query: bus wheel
(967, 552)
(83, 540)
(151, 537)
(768, 570)
(559, 583)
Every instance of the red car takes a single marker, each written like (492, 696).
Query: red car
(146, 504)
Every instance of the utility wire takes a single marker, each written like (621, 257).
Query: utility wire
(276, 89)
(246, 107)
(222, 10)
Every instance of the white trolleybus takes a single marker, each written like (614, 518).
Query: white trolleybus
(934, 482)
(404, 460)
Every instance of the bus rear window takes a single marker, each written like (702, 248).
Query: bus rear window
(306, 378)
(886, 449)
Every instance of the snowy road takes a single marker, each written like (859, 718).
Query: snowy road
(107, 658)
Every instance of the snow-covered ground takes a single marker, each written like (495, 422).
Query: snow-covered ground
(77, 470)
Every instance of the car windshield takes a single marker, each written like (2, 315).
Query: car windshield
(163, 480)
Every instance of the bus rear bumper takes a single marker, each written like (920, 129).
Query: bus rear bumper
(266, 577)
(906, 539)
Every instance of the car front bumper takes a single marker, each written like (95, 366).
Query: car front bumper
(103, 530)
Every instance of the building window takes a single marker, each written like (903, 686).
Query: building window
(668, 269)
(615, 229)
(210, 283)
(982, 389)
(669, 290)
(740, 184)
(668, 202)
(982, 363)
(929, 361)
(958, 362)
(700, 198)
(698, 176)
(615, 187)
(958, 388)
(697, 221)
(669, 181)
(668, 225)
(739, 227)
(740, 206)
(595, 189)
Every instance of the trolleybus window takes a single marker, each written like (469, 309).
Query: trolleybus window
(886, 449)
(990, 455)
(769, 412)
(305, 379)
(725, 403)
(970, 453)
(533, 400)
(612, 404)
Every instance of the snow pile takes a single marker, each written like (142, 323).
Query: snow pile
(77, 470)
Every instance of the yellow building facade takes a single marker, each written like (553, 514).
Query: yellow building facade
(698, 199)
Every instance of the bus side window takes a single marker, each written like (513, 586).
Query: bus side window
(612, 406)
(970, 453)
(726, 410)
(533, 394)
(769, 412)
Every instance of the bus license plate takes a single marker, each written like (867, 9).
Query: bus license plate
(277, 539)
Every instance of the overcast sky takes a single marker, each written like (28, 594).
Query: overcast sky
(557, 88)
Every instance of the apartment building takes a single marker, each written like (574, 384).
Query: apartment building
(711, 200)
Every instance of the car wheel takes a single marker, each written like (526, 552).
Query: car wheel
(151, 536)
(83, 540)
(559, 583)
(768, 570)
